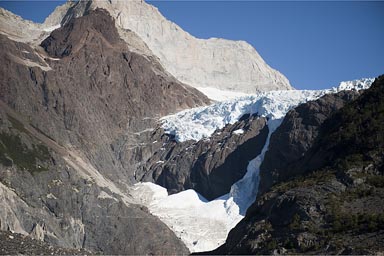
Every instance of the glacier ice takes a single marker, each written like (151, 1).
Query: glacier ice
(201, 224)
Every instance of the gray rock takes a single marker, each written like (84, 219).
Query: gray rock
(296, 135)
(79, 111)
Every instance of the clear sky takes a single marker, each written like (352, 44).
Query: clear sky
(314, 44)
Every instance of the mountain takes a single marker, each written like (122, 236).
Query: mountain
(322, 181)
(213, 63)
(68, 150)
(191, 153)
(95, 116)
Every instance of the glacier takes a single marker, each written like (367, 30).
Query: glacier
(201, 224)
(201, 122)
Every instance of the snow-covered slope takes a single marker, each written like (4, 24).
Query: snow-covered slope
(359, 84)
(204, 225)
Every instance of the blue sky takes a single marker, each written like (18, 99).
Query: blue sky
(314, 44)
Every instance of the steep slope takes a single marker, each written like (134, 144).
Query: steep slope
(74, 119)
(200, 63)
(296, 135)
(213, 63)
(17, 244)
(209, 166)
(333, 202)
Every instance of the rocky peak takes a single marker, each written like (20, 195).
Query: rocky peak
(212, 63)
(197, 62)
(77, 31)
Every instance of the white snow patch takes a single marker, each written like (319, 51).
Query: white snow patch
(55, 59)
(105, 195)
(201, 225)
(143, 131)
(360, 84)
(51, 196)
(50, 29)
(239, 131)
(220, 95)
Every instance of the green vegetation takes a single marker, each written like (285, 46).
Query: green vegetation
(341, 221)
(354, 160)
(295, 222)
(16, 124)
(376, 181)
(355, 133)
(356, 193)
(14, 152)
(358, 223)
(306, 180)
(271, 245)
(289, 244)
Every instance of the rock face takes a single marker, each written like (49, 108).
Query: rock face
(216, 63)
(296, 135)
(16, 244)
(210, 166)
(334, 202)
(75, 115)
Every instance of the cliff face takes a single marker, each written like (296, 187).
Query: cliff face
(217, 63)
(214, 63)
(331, 199)
(73, 115)
(295, 136)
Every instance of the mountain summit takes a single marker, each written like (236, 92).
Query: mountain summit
(214, 63)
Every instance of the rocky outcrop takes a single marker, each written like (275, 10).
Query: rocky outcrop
(209, 166)
(73, 118)
(318, 214)
(17, 244)
(296, 135)
(334, 203)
